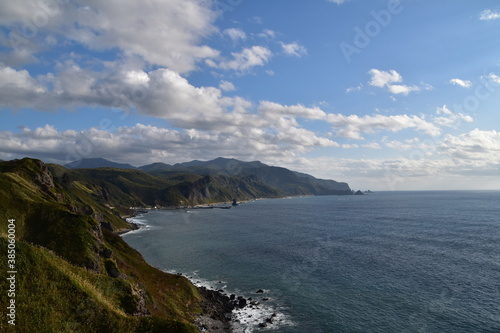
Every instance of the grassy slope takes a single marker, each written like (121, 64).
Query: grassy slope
(55, 296)
(64, 257)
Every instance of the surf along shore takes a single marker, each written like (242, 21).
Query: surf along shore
(217, 307)
(221, 313)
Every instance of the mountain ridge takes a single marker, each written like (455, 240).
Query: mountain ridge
(97, 162)
(282, 180)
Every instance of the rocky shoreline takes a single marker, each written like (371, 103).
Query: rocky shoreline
(217, 312)
(217, 307)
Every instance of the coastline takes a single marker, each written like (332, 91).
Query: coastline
(223, 313)
(216, 313)
(216, 316)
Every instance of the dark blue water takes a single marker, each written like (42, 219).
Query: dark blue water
(384, 262)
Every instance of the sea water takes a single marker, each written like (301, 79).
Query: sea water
(382, 262)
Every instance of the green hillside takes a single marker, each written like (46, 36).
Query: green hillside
(73, 274)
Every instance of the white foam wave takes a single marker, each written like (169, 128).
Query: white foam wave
(140, 221)
(257, 311)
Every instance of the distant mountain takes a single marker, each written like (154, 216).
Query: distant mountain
(155, 167)
(229, 166)
(285, 181)
(89, 163)
(195, 182)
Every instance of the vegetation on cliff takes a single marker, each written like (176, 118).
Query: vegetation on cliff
(75, 274)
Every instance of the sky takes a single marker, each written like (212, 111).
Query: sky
(381, 94)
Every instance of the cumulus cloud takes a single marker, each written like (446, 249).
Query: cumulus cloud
(492, 77)
(273, 110)
(402, 89)
(18, 80)
(382, 78)
(18, 88)
(475, 153)
(170, 36)
(164, 93)
(235, 34)
(294, 49)
(488, 15)
(477, 148)
(461, 83)
(142, 144)
(450, 119)
(353, 126)
(385, 79)
(267, 33)
(226, 86)
(244, 60)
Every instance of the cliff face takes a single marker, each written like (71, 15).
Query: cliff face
(223, 189)
(74, 275)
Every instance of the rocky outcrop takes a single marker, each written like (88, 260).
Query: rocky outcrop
(217, 310)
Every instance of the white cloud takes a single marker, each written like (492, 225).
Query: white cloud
(381, 78)
(170, 36)
(164, 93)
(18, 89)
(354, 89)
(235, 34)
(461, 83)
(143, 144)
(267, 33)
(450, 119)
(480, 149)
(11, 80)
(294, 49)
(385, 79)
(353, 126)
(244, 60)
(338, 2)
(373, 145)
(488, 14)
(226, 86)
(421, 148)
(273, 110)
(402, 89)
(475, 154)
(492, 77)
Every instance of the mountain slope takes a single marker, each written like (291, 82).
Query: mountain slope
(86, 163)
(73, 273)
(282, 180)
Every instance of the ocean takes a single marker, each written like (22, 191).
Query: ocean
(382, 262)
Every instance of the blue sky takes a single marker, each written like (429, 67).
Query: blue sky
(385, 95)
